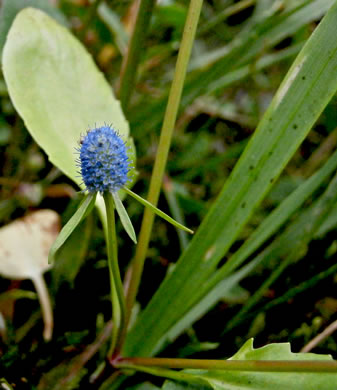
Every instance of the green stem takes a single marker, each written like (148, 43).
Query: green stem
(117, 293)
(138, 363)
(131, 59)
(163, 149)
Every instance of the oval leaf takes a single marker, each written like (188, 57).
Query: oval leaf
(64, 95)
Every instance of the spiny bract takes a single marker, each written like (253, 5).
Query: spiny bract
(103, 160)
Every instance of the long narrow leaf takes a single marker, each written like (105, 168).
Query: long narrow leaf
(160, 213)
(304, 228)
(280, 215)
(306, 90)
(84, 208)
(123, 215)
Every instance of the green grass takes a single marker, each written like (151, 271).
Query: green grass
(232, 116)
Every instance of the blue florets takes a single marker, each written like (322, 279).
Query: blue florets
(103, 160)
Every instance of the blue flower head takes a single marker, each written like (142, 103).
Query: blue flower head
(103, 160)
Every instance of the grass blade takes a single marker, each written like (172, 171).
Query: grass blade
(301, 98)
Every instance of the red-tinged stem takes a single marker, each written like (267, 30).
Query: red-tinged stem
(138, 363)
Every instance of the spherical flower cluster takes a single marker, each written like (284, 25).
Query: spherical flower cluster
(103, 160)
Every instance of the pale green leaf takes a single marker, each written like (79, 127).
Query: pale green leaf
(56, 87)
(123, 215)
(84, 208)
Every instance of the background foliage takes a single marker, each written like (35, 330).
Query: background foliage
(262, 262)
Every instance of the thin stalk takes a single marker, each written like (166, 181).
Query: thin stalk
(162, 153)
(320, 337)
(231, 365)
(47, 312)
(117, 293)
(131, 59)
